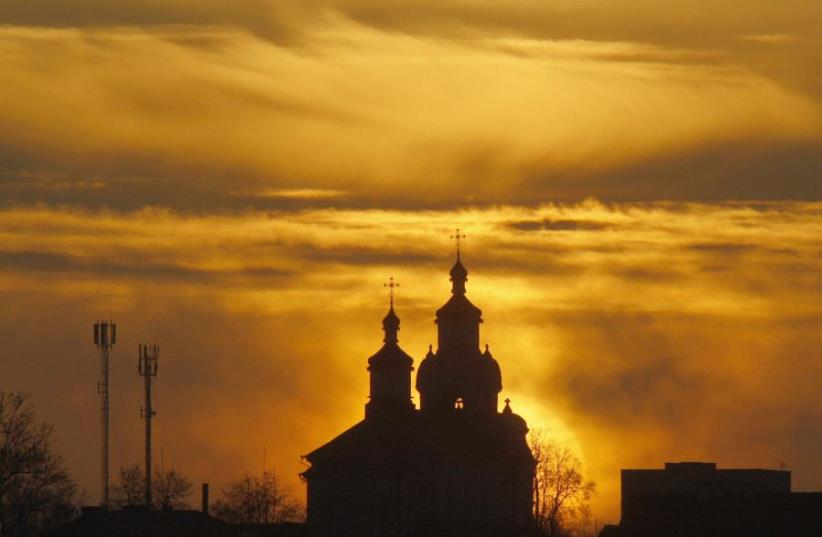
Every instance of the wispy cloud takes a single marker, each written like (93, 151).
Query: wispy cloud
(392, 120)
(297, 193)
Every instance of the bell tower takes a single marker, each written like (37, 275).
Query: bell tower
(390, 370)
(459, 376)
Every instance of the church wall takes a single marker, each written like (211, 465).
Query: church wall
(457, 335)
(393, 504)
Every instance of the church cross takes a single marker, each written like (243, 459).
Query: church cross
(458, 236)
(391, 285)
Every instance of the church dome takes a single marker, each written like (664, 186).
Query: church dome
(492, 376)
(391, 354)
(458, 306)
(515, 422)
(459, 275)
(391, 322)
(425, 371)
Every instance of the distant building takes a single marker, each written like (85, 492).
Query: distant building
(695, 499)
(454, 467)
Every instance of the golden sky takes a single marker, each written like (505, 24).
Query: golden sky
(641, 184)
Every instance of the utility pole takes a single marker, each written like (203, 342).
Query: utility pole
(147, 367)
(105, 336)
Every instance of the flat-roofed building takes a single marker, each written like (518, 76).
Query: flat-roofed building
(697, 499)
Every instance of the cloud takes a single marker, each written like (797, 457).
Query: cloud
(633, 338)
(299, 194)
(397, 121)
(559, 225)
(70, 266)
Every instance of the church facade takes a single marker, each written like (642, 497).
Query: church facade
(455, 466)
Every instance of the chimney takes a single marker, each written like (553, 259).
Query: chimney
(205, 499)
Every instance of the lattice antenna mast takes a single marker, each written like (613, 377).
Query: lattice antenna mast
(105, 336)
(148, 356)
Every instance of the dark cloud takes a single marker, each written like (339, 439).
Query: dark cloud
(644, 273)
(364, 256)
(722, 173)
(698, 23)
(721, 247)
(559, 225)
(745, 170)
(133, 266)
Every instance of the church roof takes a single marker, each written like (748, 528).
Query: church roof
(458, 306)
(418, 440)
(390, 354)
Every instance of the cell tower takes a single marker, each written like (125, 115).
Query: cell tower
(105, 336)
(147, 367)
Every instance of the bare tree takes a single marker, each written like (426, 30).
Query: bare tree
(169, 489)
(36, 491)
(258, 500)
(561, 493)
(128, 490)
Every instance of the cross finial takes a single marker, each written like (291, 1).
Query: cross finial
(507, 401)
(458, 236)
(391, 285)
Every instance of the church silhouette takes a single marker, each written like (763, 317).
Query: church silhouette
(454, 467)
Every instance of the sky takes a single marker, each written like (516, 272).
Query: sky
(640, 184)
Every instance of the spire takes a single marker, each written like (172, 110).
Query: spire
(459, 275)
(391, 322)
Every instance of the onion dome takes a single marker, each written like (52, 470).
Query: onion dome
(391, 354)
(492, 376)
(425, 369)
(391, 325)
(459, 275)
(459, 305)
(514, 421)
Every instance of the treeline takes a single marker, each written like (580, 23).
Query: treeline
(37, 493)
(263, 499)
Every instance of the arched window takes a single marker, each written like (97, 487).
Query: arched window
(458, 403)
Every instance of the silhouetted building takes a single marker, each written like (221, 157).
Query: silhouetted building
(695, 499)
(138, 521)
(454, 467)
